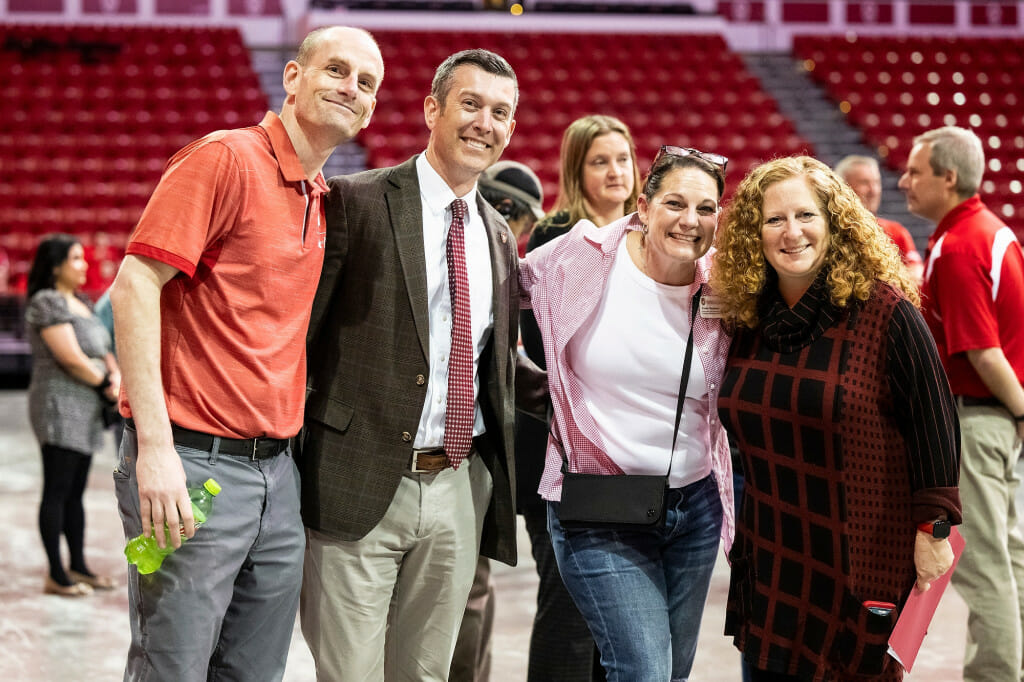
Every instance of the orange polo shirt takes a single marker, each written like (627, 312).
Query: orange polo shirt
(236, 215)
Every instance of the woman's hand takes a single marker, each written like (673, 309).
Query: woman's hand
(932, 558)
(113, 391)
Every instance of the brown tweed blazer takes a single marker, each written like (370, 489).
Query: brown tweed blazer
(368, 350)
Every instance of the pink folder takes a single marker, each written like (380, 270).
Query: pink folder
(912, 624)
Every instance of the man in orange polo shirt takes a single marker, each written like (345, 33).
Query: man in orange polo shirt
(211, 307)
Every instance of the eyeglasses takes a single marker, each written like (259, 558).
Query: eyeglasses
(714, 159)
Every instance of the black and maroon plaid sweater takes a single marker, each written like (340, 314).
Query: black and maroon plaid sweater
(848, 436)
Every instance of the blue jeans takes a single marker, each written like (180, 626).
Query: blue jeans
(642, 592)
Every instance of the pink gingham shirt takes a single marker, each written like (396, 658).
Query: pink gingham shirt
(563, 282)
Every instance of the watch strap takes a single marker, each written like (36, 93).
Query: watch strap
(930, 528)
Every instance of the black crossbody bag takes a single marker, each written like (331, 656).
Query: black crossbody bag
(622, 501)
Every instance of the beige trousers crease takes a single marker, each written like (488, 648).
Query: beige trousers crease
(388, 606)
(990, 574)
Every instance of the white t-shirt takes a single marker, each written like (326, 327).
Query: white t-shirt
(629, 356)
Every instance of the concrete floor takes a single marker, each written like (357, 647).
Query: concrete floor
(51, 639)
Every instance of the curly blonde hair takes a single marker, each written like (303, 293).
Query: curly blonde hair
(859, 252)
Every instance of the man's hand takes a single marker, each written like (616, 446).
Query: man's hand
(932, 558)
(163, 496)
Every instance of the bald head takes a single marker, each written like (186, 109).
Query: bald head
(330, 90)
(343, 35)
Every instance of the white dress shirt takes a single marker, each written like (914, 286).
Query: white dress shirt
(436, 198)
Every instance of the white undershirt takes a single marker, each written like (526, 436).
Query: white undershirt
(628, 357)
(436, 198)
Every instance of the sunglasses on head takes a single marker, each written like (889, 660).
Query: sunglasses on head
(714, 159)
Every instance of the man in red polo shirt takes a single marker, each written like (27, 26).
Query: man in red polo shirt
(974, 303)
(211, 308)
(865, 179)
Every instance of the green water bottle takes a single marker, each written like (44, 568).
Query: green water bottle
(144, 552)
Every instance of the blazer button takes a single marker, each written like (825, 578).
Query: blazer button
(420, 380)
(406, 437)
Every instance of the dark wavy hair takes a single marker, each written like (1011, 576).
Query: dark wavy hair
(51, 253)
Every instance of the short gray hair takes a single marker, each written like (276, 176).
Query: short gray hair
(956, 149)
(848, 162)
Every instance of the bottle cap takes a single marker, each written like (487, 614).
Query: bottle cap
(212, 486)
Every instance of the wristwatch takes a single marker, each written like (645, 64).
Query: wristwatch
(937, 529)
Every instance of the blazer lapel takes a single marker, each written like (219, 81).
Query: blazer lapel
(498, 237)
(405, 212)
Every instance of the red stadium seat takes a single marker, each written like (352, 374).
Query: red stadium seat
(100, 131)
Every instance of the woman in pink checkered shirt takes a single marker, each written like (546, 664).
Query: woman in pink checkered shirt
(614, 306)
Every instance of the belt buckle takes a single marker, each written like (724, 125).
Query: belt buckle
(255, 443)
(412, 465)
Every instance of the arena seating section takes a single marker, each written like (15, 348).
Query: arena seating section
(894, 89)
(93, 112)
(91, 115)
(686, 90)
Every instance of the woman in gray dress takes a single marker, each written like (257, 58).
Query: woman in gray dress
(74, 375)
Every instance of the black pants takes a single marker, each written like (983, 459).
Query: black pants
(65, 473)
(561, 646)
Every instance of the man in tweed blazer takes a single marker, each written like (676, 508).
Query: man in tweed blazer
(391, 549)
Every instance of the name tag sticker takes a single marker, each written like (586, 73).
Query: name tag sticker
(710, 306)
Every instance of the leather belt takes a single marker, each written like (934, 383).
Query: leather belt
(253, 448)
(428, 460)
(971, 401)
(432, 460)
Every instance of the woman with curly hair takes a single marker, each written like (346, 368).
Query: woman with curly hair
(836, 398)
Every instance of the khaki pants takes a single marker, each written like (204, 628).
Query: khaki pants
(388, 606)
(990, 574)
(472, 659)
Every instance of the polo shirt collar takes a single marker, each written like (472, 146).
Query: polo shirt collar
(960, 212)
(284, 151)
(436, 192)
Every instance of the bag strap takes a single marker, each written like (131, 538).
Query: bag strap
(684, 381)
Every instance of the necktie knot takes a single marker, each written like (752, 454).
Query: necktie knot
(459, 209)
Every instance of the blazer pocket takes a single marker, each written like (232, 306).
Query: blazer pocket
(329, 411)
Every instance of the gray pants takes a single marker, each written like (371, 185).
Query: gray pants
(222, 607)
